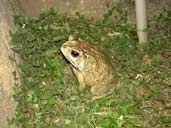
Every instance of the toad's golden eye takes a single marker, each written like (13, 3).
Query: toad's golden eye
(74, 53)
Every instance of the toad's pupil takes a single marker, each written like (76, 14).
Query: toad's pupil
(74, 53)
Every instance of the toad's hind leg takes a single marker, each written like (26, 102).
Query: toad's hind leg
(101, 91)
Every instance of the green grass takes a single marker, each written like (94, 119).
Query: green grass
(48, 95)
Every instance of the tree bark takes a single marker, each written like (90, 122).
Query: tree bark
(7, 67)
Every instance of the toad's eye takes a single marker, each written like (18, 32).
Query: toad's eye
(74, 53)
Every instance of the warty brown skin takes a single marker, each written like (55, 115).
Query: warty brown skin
(91, 67)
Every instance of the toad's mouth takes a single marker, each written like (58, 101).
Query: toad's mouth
(71, 62)
(67, 57)
(76, 63)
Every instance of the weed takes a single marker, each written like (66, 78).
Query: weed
(48, 96)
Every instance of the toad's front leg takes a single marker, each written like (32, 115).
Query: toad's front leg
(80, 78)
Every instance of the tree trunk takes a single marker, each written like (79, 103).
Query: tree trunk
(7, 67)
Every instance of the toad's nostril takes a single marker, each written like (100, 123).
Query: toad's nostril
(64, 46)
